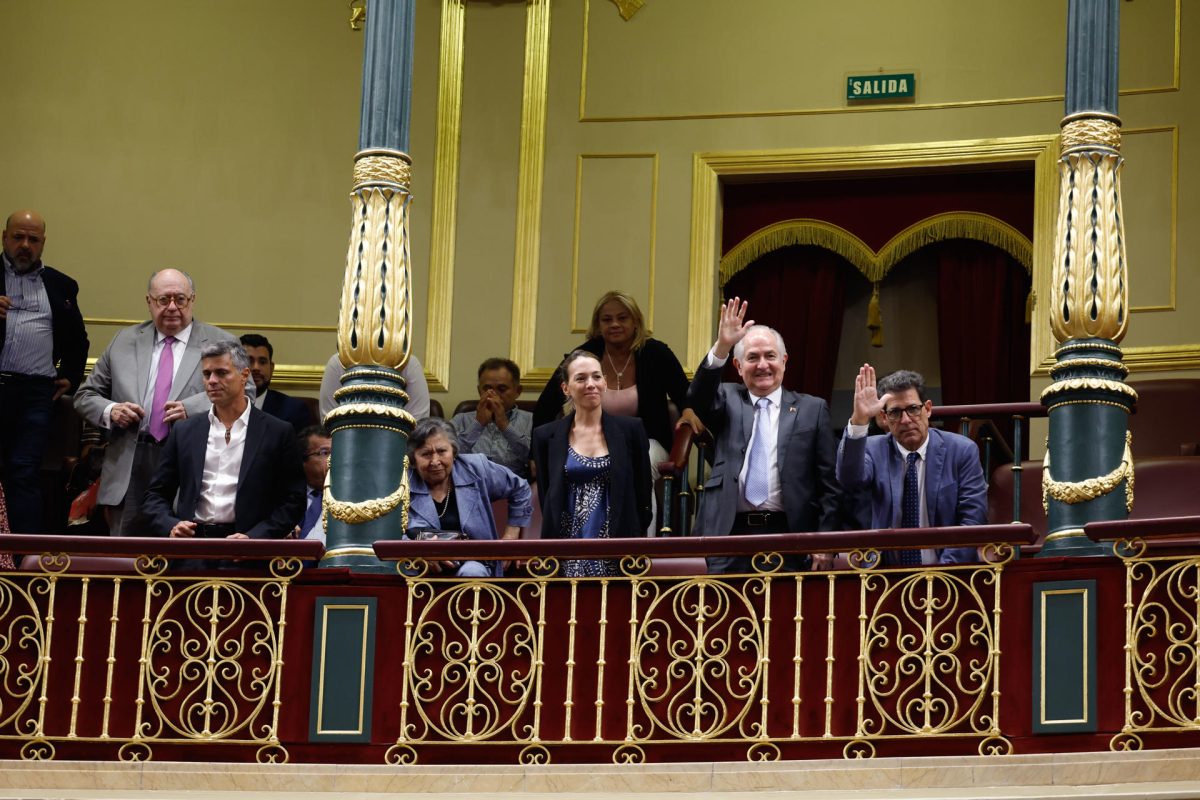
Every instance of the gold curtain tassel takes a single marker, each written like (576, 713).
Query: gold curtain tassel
(875, 318)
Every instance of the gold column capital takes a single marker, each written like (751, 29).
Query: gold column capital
(1091, 129)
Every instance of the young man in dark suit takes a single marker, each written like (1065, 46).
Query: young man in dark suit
(274, 402)
(236, 470)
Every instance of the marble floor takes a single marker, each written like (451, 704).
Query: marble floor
(1158, 774)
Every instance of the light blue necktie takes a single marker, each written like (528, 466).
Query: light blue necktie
(757, 476)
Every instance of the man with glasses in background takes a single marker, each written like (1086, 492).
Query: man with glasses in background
(147, 378)
(915, 476)
(315, 447)
(43, 347)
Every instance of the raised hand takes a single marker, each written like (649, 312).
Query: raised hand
(867, 402)
(732, 326)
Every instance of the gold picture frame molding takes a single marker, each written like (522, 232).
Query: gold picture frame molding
(709, 168)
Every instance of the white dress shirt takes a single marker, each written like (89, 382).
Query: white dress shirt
(222, 463)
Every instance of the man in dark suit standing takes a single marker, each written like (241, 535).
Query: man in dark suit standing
(916, 476)
(774, 461)
(43, 347)
(274, 402)
(236, 470)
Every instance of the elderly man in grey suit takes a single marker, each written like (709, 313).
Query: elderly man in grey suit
(773, 471)
(147, 378)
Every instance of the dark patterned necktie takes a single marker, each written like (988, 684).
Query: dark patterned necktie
(910, 510)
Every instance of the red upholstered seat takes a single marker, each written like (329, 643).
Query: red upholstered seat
(1163, 487)
(1164, 424)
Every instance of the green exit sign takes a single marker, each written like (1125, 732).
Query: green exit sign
(900, 86)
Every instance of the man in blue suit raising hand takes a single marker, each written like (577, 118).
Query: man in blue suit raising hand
(916, 476)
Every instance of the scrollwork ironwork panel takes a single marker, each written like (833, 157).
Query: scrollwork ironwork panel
(1162, 646)
(762, 661)
(134, 661)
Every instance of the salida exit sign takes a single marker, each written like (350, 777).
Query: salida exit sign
(898, 86)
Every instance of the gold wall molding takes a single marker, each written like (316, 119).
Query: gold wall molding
(241, 326)
(708, 169)
(439, 304)
(299, 376)
(531, 166)
(803, 112)
(576, 326)
(875, 266)
(1173, 266)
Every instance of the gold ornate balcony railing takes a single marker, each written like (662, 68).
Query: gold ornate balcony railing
(644, 662)
(129, 654)
(1162, 625)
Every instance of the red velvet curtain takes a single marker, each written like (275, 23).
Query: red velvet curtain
(800, 292)
(983, 338)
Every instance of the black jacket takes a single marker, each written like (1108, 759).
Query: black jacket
(659, 377)
(270, 490)
(70, 336)
(629, 489)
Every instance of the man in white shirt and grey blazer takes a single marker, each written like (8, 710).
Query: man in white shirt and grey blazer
(125, 395)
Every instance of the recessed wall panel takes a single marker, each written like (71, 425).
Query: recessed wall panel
(615, 204)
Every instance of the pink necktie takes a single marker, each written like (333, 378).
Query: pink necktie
(162, 389)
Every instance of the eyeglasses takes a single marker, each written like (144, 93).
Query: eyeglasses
(180, 300)
(913, 412)
(323, 453)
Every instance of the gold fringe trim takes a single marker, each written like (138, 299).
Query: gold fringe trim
(875, 318)
(875, 266)
(1082, 491)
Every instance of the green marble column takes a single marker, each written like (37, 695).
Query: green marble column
(1088, 473)
(366, 496)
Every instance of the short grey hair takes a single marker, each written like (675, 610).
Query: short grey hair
(429, 427)
(902, 380)
(153, 275)
(230, 347)
(740, 347)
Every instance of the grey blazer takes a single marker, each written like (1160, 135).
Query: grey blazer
(806, 454)
(122, 375)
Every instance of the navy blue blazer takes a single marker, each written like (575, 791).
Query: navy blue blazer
(289, 409)
(271, 488)
(629, 491)
(70, 335)
(955, 490)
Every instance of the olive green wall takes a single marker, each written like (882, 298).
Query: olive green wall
(217, 137)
